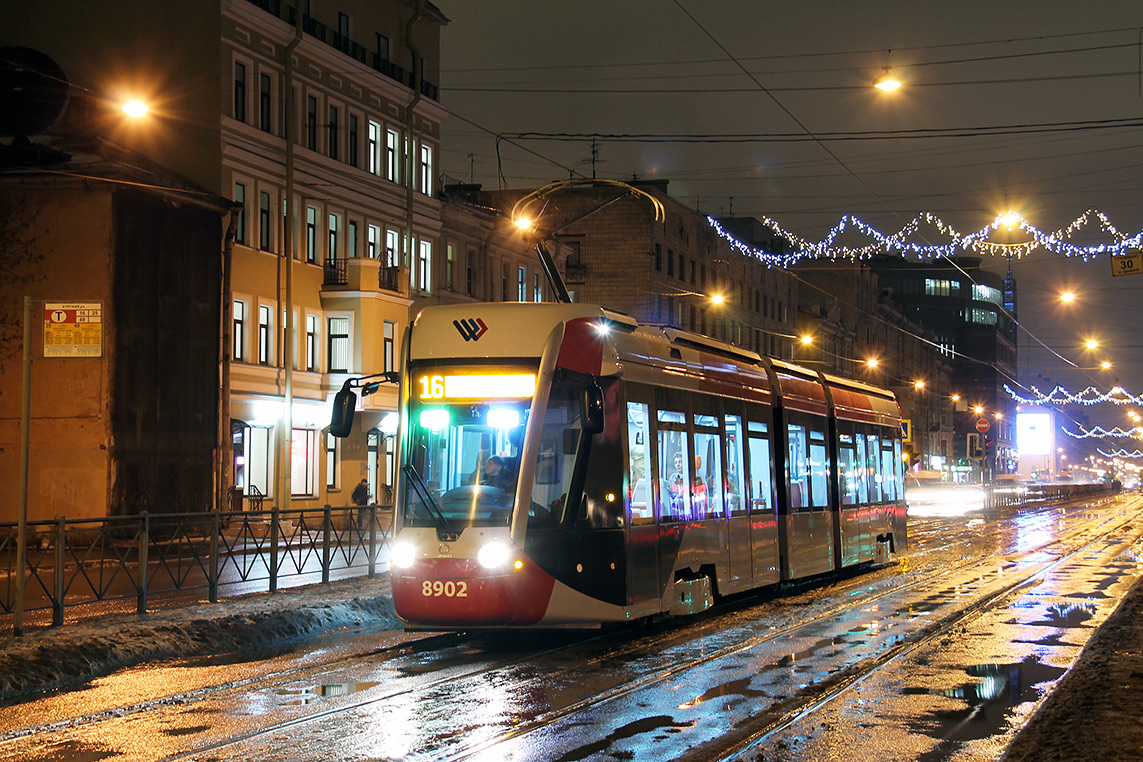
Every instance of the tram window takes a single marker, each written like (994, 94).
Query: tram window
(674, 457)
(847, 468)
(862, 470)
(798, 467)
(761, 484)
(706, 491)
(899, 471)
(888, 470)
(640, 503)
(819, 469)
(735, 505)
(873, 466)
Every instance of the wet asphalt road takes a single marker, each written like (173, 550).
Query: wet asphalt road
(940, 655)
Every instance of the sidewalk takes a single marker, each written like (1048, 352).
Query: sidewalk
(57, 657)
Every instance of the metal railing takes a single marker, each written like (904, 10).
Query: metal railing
(1031, 494)
(72, 562)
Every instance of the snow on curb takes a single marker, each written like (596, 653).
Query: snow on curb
(73, 655)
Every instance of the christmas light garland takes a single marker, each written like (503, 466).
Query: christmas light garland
(1089, 396)
(1103, 433)
(972, 243)
(1121, 454)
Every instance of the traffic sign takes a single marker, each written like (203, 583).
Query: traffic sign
(1127, 264)
(982, 425)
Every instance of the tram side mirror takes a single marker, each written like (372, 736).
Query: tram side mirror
(593, 410)
(344, 404)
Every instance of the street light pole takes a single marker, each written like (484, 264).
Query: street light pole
(25, 425)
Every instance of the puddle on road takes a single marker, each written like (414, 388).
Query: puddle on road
(986, 703)
(74, 751)
(315, 693)
(659, 724)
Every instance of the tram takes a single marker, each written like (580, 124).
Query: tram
(565, 466)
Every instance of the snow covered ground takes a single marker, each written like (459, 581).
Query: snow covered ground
(56, 657)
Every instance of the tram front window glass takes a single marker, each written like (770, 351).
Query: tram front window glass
(760, 469)
(735, 505)
(798, 466)
(559, 446)
(873, 466)
(640, 505)
(899, 471)
(847, 471)
(860, 470)
(467, 458)
(818, 470)
(674, 460)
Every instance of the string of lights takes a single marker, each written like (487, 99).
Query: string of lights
(1102, 433)
(1089, 396)
(903, 241)
(1121, 453)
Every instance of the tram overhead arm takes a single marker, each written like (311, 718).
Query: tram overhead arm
(345, 401)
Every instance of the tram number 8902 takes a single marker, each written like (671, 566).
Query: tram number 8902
(436, 589)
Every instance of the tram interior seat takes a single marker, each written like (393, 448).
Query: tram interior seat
(795, 495)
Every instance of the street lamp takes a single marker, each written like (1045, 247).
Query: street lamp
(887, 80)
(135, 108)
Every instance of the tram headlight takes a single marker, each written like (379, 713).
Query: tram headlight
(493, 555)
(403, 555)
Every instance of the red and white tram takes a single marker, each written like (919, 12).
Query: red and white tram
(563, 465)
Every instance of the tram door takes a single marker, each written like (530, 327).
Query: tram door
(643, 532)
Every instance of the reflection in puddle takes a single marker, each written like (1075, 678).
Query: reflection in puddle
(984, 703)
(314, 693)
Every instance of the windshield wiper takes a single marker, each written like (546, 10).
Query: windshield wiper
(443, 527)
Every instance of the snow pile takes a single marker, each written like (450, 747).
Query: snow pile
(73, 654)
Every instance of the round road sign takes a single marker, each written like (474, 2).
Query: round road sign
(982, 425)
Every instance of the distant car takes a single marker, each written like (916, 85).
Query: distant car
(928, 495)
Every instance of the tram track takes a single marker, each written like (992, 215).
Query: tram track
(719, 644)
(655, 677)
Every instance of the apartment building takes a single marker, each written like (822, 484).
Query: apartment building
(325, 130)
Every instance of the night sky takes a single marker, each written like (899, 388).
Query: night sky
(1031, 106)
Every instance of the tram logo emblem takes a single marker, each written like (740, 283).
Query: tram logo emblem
(470, 329)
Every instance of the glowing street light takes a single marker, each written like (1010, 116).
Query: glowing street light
(717, 299)
(1068, 296)
(1091, 343)
(919, 385)
(135, 108)
(1105, 365)
(978, 409)
(807, 339)
(887, 80)
(872, 362)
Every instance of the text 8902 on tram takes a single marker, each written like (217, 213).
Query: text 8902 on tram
(562, 465)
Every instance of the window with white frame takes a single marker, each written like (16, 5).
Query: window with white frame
(351, 242)
(374, 242)
(239, 329)
(332, 459)
(240, 223)
(450, 266)
(258, 457)
(424, 265)
(338, 340)
(334, 231)
(521, 284)
(426, 167)
(392, 248)
(392, 155)
(303, 462)
(389, 348)
(311, 342)
(537, 292)
(265, 334)
(374, 157)
(311, 234)
(264, 225)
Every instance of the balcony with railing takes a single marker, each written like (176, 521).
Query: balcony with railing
(345, 45)
(360, 274)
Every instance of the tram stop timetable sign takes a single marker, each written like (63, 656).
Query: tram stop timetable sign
(982, 425)
(73, 329)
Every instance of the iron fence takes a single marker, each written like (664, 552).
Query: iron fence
(1031, 494)
(72, 562)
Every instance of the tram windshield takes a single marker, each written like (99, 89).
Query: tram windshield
(466, 429)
